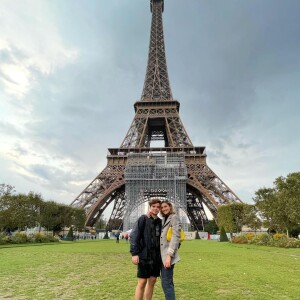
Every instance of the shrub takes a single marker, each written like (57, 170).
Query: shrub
(240, 239)
(44, 238)
(262, 239)
(20, 238)
(292, 243)
(4, 238)
(250, 236)
(70, 235)
(223, 235)
(279, 240)
(285, 242)
(23, 238)
(38, 237)
(278, 236)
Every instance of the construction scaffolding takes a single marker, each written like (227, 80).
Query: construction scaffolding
(154, 175)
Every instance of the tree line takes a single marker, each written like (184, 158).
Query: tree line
(21, 211)
(276, 208)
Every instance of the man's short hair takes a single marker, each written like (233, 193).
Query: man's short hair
(154, 201)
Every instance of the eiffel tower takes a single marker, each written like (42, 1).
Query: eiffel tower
(156, 118)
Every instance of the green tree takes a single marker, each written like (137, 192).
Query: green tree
(56, 216)
(20, 211)
(288, 190)
(6, 189)
(78, 218)
(266, 201)
(66, 215)
(223, 235)
(279, 206)
(51, 216)
(70, 235)
(211, 227)
(232, 216)
(101, 223)
(252, 219)
(294, 231)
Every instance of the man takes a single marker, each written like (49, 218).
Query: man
(145, 250)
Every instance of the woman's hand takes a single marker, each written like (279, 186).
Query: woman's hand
(135, 259)
(167, 262)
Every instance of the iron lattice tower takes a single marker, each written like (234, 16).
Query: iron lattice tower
(156, 118)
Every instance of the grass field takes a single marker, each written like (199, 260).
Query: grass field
(102, 269)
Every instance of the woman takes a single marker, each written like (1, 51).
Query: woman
(169, 249)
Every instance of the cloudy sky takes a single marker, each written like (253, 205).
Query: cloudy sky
(70, 72)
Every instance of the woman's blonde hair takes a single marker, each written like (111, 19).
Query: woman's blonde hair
(172, 211)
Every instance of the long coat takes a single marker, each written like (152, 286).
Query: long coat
(171, 247)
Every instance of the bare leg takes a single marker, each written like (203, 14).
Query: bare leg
(140, 288)
(149, 288)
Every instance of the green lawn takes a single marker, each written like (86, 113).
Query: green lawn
(103, 270)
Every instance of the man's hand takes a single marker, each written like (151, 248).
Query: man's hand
(167, 262)
(135, 259)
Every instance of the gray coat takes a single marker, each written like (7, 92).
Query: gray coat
(170, 248)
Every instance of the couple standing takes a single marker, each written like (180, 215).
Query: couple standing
(152, 252)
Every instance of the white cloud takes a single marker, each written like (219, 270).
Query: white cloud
(15, 78)
(30, 44)
(31, 48)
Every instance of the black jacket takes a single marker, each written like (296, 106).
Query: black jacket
(141, 236)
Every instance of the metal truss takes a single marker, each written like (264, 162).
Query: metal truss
(156, 121)
(195, 209)
(105, 188)
(157, 86)
(125, 182)
(218, 192)
(153, 175)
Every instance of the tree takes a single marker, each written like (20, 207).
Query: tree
(266, 202)
(51, 216)
(294, 231)
(106, 235)
(70, 235)
(279, 206)
(56, 216)
(34, 203)
(288, 190)
(6, 189)
(20, 211)
(66, 215)
(252, 219)
(232, 216)
(223, 235)
(211, 227)
(101, 223)
(78, 218)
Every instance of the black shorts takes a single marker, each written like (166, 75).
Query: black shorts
(147, 268)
